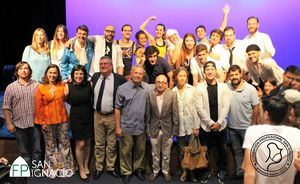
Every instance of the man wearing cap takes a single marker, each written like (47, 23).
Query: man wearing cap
(105, 45)
(262, 69)
(213, 109)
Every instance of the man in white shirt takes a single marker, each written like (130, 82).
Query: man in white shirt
(105, 45)
(263, 40)
(216, 53)
(234, 49)
(260, 69)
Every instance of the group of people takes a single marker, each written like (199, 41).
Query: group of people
(162, 87)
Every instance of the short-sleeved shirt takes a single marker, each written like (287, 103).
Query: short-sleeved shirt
(131, 100)
(267, 149)
(241, 103)
(161, 67)
(19, 99)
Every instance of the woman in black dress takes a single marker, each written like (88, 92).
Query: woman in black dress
(79, 93)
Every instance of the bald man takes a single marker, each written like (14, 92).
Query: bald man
(105, 45)
(162, 123)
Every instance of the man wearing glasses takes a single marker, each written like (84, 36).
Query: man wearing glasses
(105, 45)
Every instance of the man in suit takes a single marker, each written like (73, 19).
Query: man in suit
(162, 123)
(105, 85)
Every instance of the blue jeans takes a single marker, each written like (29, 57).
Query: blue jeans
(29, 143)
(237, 137)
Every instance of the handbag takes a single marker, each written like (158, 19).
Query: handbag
(194, 156)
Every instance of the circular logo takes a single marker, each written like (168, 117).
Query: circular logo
(271, 155)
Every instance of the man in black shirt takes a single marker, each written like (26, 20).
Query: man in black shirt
(155, 66)
(214, 107)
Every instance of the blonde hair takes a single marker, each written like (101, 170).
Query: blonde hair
(34, 44)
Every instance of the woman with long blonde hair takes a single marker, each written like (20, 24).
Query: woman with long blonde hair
(37, 54)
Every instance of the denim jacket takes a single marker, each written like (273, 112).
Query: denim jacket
(69, 59)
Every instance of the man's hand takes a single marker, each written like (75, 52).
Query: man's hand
(3, 161)
(215, 127)
(118, 132)
(152, 17)
(11, 127)
(297, 161)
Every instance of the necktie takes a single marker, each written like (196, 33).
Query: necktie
(98, 108)
(210, 49)
(231, 56)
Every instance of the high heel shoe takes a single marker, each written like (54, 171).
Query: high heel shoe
(84, 179)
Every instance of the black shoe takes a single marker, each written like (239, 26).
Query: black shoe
(84, 179)
(126, 178)
(140, 175)
(205, 177)
(97, 174)
(236, 177)
(113, 173)
(193, 177)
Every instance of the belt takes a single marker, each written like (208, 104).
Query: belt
(106, 114)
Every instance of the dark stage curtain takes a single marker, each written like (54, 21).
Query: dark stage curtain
(19, 20)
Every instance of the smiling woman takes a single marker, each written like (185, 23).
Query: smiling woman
(51, 114)
(79, 95)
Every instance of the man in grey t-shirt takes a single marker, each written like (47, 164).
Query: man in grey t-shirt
(243, 113)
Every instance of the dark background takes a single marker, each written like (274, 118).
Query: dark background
(19, 20)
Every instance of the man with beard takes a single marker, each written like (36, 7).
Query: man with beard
(260, 69)
(261, 39)
(155, 65)
(243, 112)
(234, 49)
(105, 45)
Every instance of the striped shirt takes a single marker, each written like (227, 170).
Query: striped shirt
(19, 99)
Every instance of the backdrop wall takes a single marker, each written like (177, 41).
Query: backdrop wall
(280, 19)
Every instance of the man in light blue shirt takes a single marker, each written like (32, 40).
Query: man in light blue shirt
(243, 113)
(131, 125)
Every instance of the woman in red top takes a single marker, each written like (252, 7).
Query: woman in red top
(51, 113)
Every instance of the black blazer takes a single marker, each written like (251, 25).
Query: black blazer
(118, 81)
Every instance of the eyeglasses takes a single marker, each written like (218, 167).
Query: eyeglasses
(109, 31)
(159, 82)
